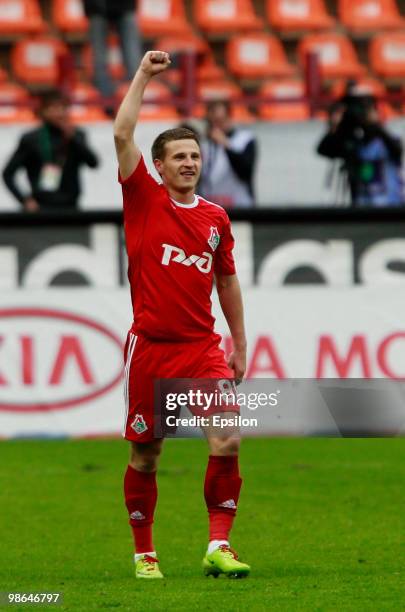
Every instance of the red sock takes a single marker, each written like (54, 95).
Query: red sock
(140, 492)
(221, 491)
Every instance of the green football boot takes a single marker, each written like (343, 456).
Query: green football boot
(224, 561)
(147, 567)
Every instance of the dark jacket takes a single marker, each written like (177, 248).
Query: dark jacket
(112, 9)
(346, 144)
(336, 145)
(47, 144)
(243, 162)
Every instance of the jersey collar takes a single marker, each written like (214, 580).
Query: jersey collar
(192, 205)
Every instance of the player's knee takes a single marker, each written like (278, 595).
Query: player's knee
(145, 457)
(225, 446)
(145, 464)
(231, 446)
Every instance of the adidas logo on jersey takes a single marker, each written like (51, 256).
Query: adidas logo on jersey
(138, 516)
(229, 503)
(172, 253)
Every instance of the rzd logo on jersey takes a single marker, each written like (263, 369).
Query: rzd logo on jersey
(174, 254)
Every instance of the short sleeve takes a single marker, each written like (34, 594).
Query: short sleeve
(138, 190)
(224, 261)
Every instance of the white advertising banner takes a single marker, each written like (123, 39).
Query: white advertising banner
(61, 350)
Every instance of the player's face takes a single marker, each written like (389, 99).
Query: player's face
(181, 167)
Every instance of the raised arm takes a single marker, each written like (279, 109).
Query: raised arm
(128, 153)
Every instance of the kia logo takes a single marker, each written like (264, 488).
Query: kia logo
(55, 360)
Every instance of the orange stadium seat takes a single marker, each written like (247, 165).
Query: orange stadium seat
(367, 86)
(11, 95)
(190, 41)
(162, 18)
(91, 110)
(370, 15)
(114, 59)
(3, 75)
(387, 55)
(35, 61)
(337, 56)
(223, 90)
(69, 17)
(224, 16)
(288, 111)
(21, 17)
(298, 15)
(256, 56)
(207, 68)
(157, 102)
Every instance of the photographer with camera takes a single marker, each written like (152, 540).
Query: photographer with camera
(371, 156)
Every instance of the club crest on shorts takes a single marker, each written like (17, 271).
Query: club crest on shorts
(138, 424)
(214, 238)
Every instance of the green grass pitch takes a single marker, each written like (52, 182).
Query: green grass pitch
(321, 521)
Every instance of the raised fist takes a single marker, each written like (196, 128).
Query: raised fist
(154, 62)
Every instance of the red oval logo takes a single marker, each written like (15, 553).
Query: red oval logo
(63, 358)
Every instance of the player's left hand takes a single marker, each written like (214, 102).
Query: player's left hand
(237, 363)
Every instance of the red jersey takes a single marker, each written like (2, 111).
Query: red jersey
(173, 251)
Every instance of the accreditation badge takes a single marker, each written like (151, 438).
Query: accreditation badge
(50, 177)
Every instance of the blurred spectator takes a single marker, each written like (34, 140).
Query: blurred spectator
(372, 157)
(51, 155)
(229, 156)
(121, 14)
(190, 125)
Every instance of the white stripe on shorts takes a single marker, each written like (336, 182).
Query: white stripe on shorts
(131, 348)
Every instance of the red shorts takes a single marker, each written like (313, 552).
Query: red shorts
(147, 361)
